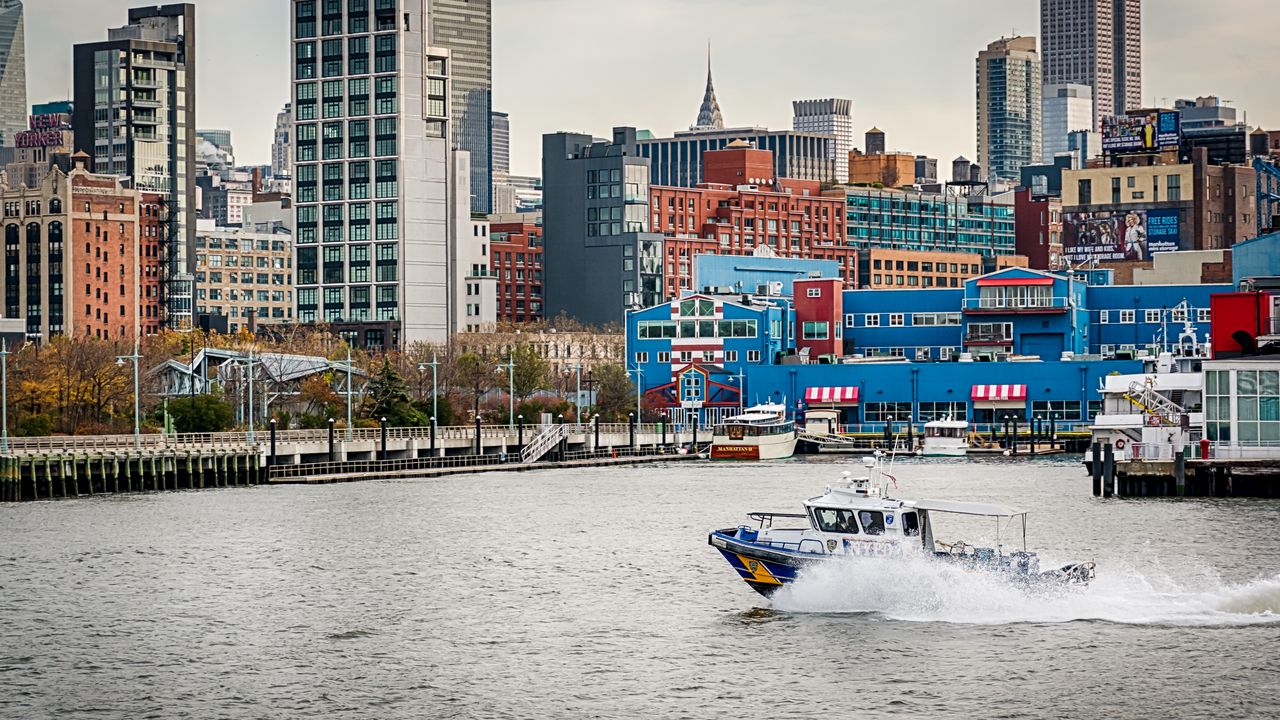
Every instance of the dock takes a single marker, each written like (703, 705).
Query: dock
(1164, 471)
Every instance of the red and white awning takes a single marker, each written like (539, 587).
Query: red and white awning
(832, 395)
(999, 393)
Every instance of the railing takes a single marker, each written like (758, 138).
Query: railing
(1049, 303)
(1218, 450)
(547, 439)
(1024, 428)
(987, 338)
(157, 441)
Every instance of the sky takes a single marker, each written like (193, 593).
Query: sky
(588, 65)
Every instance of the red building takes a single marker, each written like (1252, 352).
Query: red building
(819, 308)
(516, 261)
(740, 208)
(1038, 230)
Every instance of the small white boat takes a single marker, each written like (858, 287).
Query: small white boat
(945, 438)
(761, 432)
(857, 518)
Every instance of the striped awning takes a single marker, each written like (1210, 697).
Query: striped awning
(833, 395)
(998, 393)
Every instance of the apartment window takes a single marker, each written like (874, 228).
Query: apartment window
(816, 330)
(849, 320)
(871, 321)
(665, 357)
(1085, 192)
(1152, 316)
(642, 357)
(1104, 316)
(731, 356)
(1202, 315)
(1115, 191)
(753, 356)
(897, 319)
(1175, 188)
(1127, 316)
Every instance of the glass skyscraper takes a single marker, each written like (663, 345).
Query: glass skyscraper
(465, 28)
(13, 72)
(1009, 121)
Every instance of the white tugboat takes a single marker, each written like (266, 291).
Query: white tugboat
(761, 432)
(945, 438)
(857, 518)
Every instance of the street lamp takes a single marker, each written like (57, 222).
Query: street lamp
(251, 408)
(4, 394)
(433, 365)
(510, 367)
(349, 431)
(639, 388)
(137, 407)
(742, 390)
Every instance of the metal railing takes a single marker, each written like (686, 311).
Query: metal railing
(547, 439)
(1217, 450)
(158, 441)
(1047, 303)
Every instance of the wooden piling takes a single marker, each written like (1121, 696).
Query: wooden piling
(1096, 468)
(1108, 471)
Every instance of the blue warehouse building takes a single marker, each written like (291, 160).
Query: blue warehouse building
(1014, 343)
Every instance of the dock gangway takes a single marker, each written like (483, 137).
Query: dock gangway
(542, 443)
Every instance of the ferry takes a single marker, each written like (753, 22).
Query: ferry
(857, 518)
(761, 432)
(945, 438)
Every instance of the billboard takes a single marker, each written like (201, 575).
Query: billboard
(48, 130)
(1121, 235)
(1143, 132)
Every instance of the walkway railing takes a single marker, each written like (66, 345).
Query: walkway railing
(479, 462)
(158, 441)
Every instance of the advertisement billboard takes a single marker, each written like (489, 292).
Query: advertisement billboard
(1145, 132)
(1120, 236)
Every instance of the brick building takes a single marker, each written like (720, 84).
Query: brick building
(895, 268)
(83, 255)
(515, 242)
(741, 208)
(1038, 230)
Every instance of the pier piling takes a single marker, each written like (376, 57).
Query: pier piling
(1108, 471)
(1095, 468)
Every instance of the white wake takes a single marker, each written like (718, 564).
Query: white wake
(923, 590)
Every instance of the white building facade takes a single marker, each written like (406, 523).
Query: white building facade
(832, 116)
(1067, 108)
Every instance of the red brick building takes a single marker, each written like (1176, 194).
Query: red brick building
(515, 259)
(83, 256)
(1038, 230)
(741, 207)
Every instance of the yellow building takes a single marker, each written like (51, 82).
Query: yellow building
(892, 170)
(1127, 185)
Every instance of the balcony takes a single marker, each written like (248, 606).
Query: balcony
(999, 305)
(985, 336)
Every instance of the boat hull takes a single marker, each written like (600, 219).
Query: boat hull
(768, 569)
(764, 447)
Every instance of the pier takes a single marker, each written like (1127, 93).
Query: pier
(1207, 469)
(74, 466)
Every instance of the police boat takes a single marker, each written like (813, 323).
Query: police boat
(857, 518)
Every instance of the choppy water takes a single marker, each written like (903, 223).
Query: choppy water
(593, 593)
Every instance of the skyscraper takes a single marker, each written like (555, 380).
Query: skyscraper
(831, 116)
(1096, 43)
(13, 72)
(465, 28)
(135, 114)
(1009, 107)
(709, 117)
(1067, 108)
(501, 145)
(378, 207)
(281, 144)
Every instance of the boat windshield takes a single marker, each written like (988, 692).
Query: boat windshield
(834, 520)
(738, 431)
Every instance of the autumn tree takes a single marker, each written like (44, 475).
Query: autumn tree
(476, 374)
(615, 393)
(531, 371)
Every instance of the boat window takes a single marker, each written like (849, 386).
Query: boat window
(872, 521)
(836, 521)
(910, 524)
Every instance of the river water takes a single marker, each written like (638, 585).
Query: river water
(592, 593)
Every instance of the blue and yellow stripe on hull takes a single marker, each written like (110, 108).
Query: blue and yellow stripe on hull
(763, 576)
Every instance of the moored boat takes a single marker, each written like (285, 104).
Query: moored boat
(945, 438)
(856, 518)
(761, 432)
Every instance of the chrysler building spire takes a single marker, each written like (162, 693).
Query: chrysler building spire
(709, 117)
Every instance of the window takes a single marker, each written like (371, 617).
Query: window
(642, 357)
(1126, 317)
(1059, 409)
(816, 330)
(849, 320)
(753, 356)
(834, 520)
(910, 524)
(897, 319)
(731, 356)
(1202, 315)
(1085, 192)
(1104, 316)
(814, 292)
(664, 357)
(1152, 316)
(1175, 188)
(871, 320)
(872, 521)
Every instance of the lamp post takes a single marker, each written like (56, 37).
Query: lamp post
(433, 365)
(137, 406)
(249, 375)
(349, 392)
(332, 457)
(591, 383)
(383, 422)
(510, 367)
(1053, 431)
(639, 391)
(4, 396)
(742, 390)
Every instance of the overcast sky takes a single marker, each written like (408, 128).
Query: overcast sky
(588, 65)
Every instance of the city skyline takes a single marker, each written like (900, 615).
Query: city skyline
(934, 78)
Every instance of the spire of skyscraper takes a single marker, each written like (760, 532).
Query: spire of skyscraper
(709, 117)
